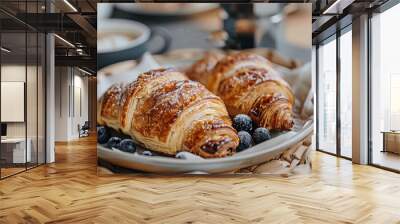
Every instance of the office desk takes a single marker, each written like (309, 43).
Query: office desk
(391, 141)
(13, 150)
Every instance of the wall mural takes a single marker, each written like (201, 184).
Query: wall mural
(188, 88)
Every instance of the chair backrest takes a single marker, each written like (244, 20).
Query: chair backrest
(86, 125)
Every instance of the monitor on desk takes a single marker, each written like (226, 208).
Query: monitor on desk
(3, 130)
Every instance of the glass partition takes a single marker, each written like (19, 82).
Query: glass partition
(14, 151)
(41, 97)
(31, 98)
(22, 77)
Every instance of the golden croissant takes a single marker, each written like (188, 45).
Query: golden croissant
(247, 84)
(164, 111)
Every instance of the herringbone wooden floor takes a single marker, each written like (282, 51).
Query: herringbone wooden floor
(69, 191)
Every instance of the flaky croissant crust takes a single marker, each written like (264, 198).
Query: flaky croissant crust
(140, 89)
(166, 112)
(248, 84)
(200, 71)
(230, 63)
(156, 114)
(110, 108)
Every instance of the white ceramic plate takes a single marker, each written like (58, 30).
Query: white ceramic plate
(162, 164)
(252, 156)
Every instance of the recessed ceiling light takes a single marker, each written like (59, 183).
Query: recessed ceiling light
(337, 7)
(64, 40)
(70, 5)
(5, 50)
(84, 71)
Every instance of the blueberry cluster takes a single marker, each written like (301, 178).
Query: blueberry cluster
(113, 139)
(247, 137)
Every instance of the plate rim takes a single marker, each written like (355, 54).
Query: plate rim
(306, 130)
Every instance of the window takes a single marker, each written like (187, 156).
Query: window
(327, 97)
(334, 106)
(346, 94)
(385, 89)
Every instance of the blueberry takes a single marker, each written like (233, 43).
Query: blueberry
(147, 153)
(242, 122)
(245, 141)
(114, 142)
(114, 133)
(102, 135)
(260, 135)
(127, 145)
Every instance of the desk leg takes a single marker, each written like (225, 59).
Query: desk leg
(384, 143)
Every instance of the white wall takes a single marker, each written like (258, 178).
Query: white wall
(14, 73)
(70, 83)
(17, 73)
(80, 85)
(61, 104)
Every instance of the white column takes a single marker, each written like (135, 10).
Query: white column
(314, 91)
(360, 90)
(50, 98)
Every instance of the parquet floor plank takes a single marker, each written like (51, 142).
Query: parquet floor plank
(69, 191)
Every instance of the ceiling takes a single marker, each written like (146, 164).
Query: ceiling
(331, 15)
(75, 22)
(72, 20)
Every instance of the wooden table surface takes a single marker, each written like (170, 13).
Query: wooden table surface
(69, 191)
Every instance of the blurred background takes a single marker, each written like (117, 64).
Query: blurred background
(280, 26)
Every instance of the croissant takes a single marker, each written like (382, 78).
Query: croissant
(164, 111)
(108, 112)
(201, 70)
(248, 84)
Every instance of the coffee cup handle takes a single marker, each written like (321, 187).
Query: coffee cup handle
(166, 40)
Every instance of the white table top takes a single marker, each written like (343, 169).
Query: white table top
(13, 140)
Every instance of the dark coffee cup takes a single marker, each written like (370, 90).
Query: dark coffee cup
(120, 40)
